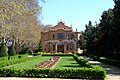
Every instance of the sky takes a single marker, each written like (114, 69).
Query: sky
(73, 12)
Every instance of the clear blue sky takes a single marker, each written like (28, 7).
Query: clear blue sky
(74, 12)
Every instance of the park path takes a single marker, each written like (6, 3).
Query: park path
(113, 73)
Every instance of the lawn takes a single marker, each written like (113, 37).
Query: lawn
(15, 57)
(28, 64)
(67, 62)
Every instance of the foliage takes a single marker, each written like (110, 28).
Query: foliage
(30, 52)
(20, 60)
(3, 50)
(83, 73)
(45, 27)
(11, 50)
(82, 62)
(106, 60)
(19, 20)
(103, 39)
(38, 48)
(24, 50)
(94, 72)
(28, 64)
(67, 62)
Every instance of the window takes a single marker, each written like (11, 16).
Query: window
(53, 36)
(60, 35)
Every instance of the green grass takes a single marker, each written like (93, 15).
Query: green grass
(67, 62)
(28, 64)
(15, 57)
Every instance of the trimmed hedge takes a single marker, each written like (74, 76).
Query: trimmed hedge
(3, 50)
(11, 50)
(82, 73)
(20, 60)
(82, 61)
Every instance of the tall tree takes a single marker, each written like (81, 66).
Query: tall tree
(115, 30)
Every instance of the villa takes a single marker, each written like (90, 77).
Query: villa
(60, 38)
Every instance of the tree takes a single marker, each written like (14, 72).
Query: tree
(115, 30)
(18, 16)
(19, 21)
(87, 36)
(3, 50)
(39, 48)
(11, 50)
(45, 27)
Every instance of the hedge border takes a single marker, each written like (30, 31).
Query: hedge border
(75, 73)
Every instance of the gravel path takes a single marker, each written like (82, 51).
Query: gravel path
(113, 73)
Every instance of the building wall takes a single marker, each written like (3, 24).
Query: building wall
(54, 41)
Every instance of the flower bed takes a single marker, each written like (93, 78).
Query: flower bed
(48, 63)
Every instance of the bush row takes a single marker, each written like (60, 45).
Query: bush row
(82, 61)
(20, 60)
(106, 60)
(82, 73)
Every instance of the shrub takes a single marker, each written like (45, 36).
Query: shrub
(11, 50)
(24, 50)
(3, 50)
(30, 52)
(81, 73)
(70, 53)
(38, 48)
(82, 62)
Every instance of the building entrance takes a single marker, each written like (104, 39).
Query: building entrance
(60, 48)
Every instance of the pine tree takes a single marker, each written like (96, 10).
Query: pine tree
(11, 50)
(3, 50)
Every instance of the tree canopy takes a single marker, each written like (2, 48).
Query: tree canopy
(19, 19)
(103, 39)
